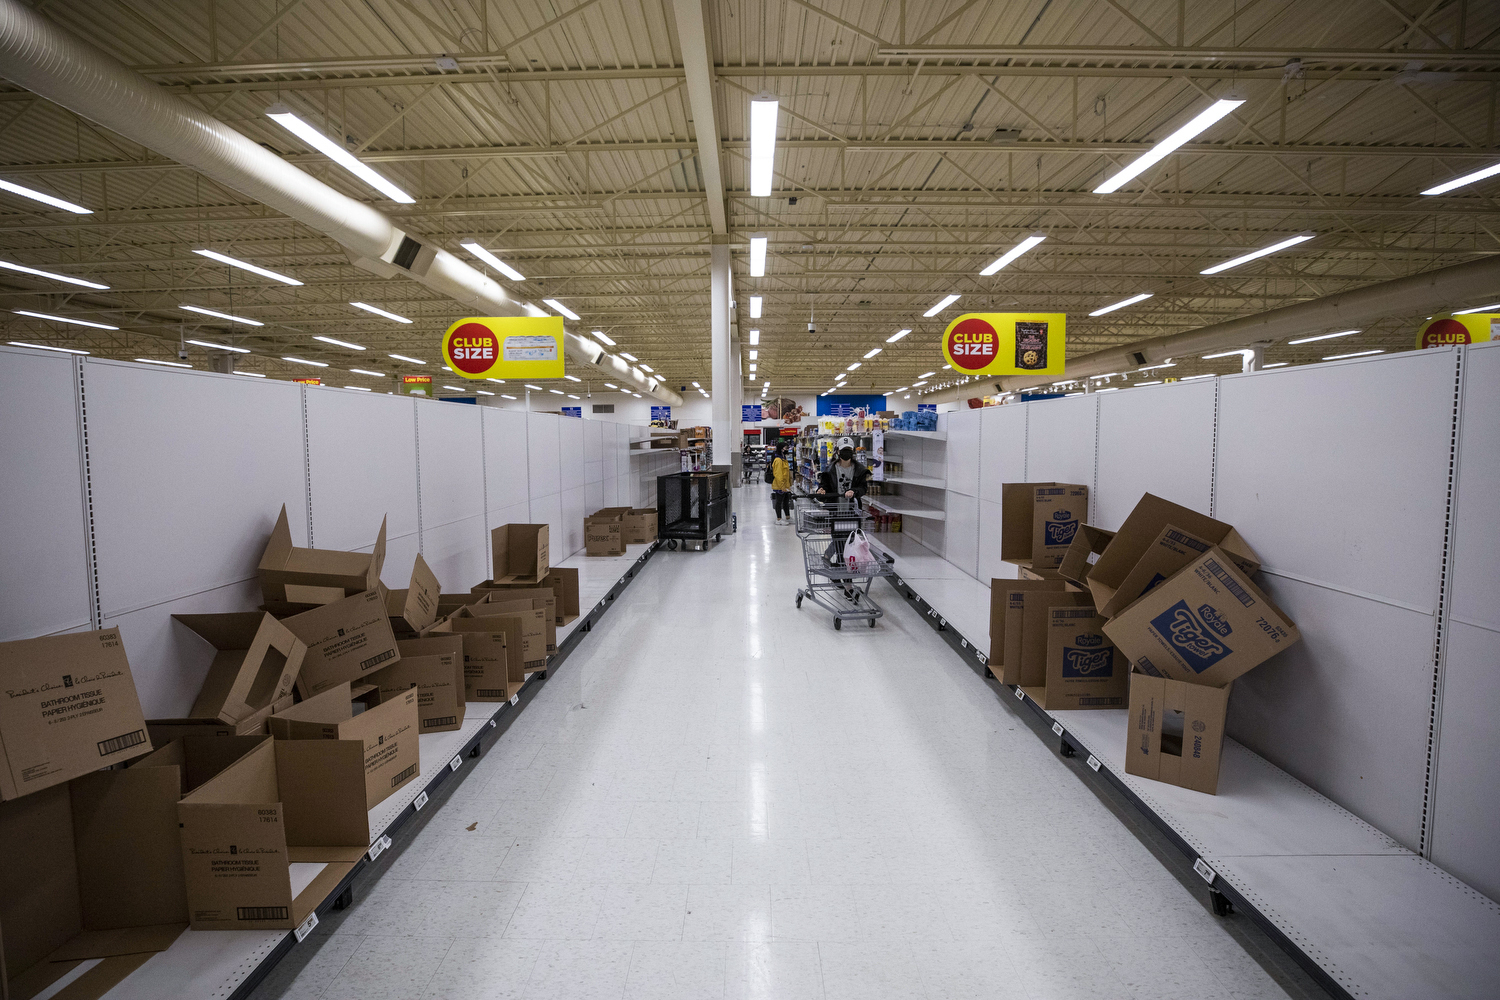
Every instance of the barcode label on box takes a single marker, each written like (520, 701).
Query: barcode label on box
(261, 913)
(378, 848)
(455, 763)
(1093, 762)
(1208, 874)
(389, 654)
(1057, 728)
(419, 802)
(407, 773)
(489, 692)
(306, 927)
(115, 745)
(1020, 695)
(1212, 565)
(444, 720)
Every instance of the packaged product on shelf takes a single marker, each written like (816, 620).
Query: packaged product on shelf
(290, 575)
(416, 606)
(387, 729)
(434, 666)
(1206, 624)
(71, 708)
(1038, 522)
(1175, 731)
(346, 640)
(1084, 669)
(520, 553)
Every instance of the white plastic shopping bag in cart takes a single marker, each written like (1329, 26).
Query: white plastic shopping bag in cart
(858, 555)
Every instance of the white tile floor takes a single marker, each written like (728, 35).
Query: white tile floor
(719, 796)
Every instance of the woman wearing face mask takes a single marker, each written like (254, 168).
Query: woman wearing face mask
(844, 479)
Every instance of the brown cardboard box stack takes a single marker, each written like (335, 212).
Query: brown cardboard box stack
(1160, 616)
(604, 532)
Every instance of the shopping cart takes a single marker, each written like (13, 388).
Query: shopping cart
(836, 582)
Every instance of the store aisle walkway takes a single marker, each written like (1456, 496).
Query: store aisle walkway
(719, 796)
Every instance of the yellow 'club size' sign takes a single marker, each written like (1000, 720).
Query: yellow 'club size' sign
(1006, 343)
(1446, 331)
(505, 347)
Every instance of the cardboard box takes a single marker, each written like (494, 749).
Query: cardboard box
(257, 664)
(489, 674)
(617, 513)
(346, 640)
(1026, 658)
(542, 599)
(520, 553)
(387, 730)
(449, 603)
(164, 731)
(1000, 591)
(1206, 625)
(1084, 670)
(1038, 522)
(70, 707)
(415, 607)
(290, 575)
(562, 580)
(1176, 731)
(1085, 550)
(434, 666)
(534, 625)
(604, 535)
(1170, 551)
(285, 803)
(1145, 523)
(640, 526)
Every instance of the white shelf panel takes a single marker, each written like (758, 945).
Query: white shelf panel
(926, 481)
(907, 507)
(924, 435)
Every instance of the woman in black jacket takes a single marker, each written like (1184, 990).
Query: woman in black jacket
(844, 479)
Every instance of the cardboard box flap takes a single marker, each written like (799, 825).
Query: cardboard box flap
(417, 604)
(1085, 550)
(250, 779)
(332, 706)
(120, 940)
(345, 641)
(322, 785)
(1150, 515)
(1000, 591)
(520, 552)
(257, 663)
(289, 574)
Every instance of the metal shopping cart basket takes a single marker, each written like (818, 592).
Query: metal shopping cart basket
(835, 581)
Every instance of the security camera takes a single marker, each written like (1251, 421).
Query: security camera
(182, 353)
(812, 328)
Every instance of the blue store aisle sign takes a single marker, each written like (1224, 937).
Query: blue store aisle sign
(572, 411)
(926, 406)
(661, 413)
(750, 413)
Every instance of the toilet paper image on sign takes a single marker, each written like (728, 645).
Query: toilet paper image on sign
(505, 347)
(1006, 343)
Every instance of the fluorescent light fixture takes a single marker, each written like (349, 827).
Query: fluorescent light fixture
(896, 336)
(600, 336)
(628, 357)
(612, 385)
(220, 347)
(245, 265)
(44, 347)
(753, 356)
(169, 364)
(502, 381)
(1012, 254)
(478, 251)
(570, 395)
(484, 392)
(1113, 389)
(754, 338)
(647, 368)
(1492, 307)
(757, 256)
(570, 378)
(559, 307)
(1165, 147)
(219, 315)
(455, 388)
(1356, 354)
(1459, 182)
(532, 310)
(69, 319)
(1324, 336)
(365, 371)
(1238, 352)
(1278, 364)
(763, 109)
(402, 357)
(45, 199)
(557, 392)
(49, 274)
(358, 387)
(249, 374)
(872, 353)
(504, 396)
(927, 375)
(854, 366)
(1123, 303)
(304, 361)
(379, 312)
(697, 386)
(636, 395)
(1191, 377)
(1157, 382)
(755, 303)
(752, 369)
(339, 343)
(1107, 375)
(916, 384)
(1302, 237)
(947, 301)
(948, 367)
(536, 387)
(1165, 364)
(283, 116)
(902, 389)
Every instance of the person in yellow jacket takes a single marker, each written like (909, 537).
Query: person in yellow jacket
(781, 487)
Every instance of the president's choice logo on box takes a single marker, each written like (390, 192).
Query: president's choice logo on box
(1061, 529)
(1198, 636)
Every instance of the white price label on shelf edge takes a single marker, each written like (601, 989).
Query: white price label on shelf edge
(1020, 695)
(982, 658)
(1057, 728)
(455, 763)
(964, 643)
(1093, 762)
(306, 927)
(378, 848)
(1208, 874)
(515, 699)
(492, 723)
(419, 802)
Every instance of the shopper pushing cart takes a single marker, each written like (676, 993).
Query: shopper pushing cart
(839, 558)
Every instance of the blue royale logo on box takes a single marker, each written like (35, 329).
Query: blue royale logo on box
(1088, 664)
(1197, 636)
(1062, 528)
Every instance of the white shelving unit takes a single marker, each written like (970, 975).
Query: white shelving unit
(907, 507)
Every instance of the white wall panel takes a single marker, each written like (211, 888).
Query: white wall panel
(1002, 448)
(548, 511)
(1346, 709)
(989, 566)
(593, 439)
(593, 497)
(458, 552)
(362, 464)
(571, 536)
(44, 585)
(960, 454)
(571, 453)
(542, 434)
(1476, 540)
(1060, 441)
(189, 472)
(505, 462)
(961, 538)
(1339, 473)
(452, 468)
(1157, 439)
(1466, 815)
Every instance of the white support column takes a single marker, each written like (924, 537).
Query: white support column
(737, 455)
(723, 388)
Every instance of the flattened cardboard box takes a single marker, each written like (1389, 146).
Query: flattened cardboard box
(1000, 591)
(434, 666)
(520, 553)
(416, 606)
(533, 621)
(1038, 522)
(603, 536)
(256, 664)
(1145, 523)
(640, 525)
(387, 731)
(1030, 643)
(542, 599)
(286, 802)
(563, 581)
(346, 640)
(1176, 731)
(1207, 625)
(292, 575)
(1083, 552)
(1084, 669)
(69, 707)
(488, 671)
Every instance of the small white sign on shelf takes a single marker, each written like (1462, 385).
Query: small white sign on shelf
(306, 927)
(1204, 871)
(1020, 695)
(515, 699)
(1093, 762)
(455, 763)
(1057, 728)
(378, 848)
(419, 802)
